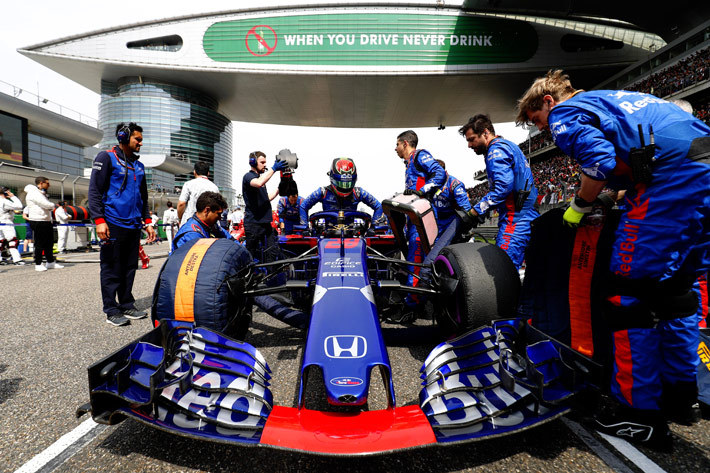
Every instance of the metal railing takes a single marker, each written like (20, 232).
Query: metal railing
(28, 174)
(34, 99)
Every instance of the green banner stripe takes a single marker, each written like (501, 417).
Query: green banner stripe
(371, 39)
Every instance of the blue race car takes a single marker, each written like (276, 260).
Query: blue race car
(195, 376)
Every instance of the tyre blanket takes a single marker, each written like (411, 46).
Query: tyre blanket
(562, 296)
(198, 271)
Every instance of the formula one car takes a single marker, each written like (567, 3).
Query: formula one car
(194, 374)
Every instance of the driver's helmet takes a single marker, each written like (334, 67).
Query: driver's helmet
(343, 176)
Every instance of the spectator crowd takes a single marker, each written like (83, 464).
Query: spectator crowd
(536, 142)
(686, 72)
(702, 112)
(556, 179)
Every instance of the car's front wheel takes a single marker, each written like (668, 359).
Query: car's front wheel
(478, 283)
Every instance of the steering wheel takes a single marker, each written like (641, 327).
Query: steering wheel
(337, 222)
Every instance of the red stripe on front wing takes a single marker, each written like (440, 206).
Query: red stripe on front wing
(345, 433)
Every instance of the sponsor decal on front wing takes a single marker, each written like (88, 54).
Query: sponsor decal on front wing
(346, 381)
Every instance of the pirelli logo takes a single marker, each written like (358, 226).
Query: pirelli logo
(704, 354)
(343, 274)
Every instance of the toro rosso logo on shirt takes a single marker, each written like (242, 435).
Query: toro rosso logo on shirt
(346, 381)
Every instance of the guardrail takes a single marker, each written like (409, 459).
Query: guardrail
(43, 102)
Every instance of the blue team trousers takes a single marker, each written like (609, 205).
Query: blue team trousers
(514, 231)
(664, 233)
(119, 261)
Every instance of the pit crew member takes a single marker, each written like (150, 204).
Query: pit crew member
(62, 218)
(192, 189)
(289, 209)
(260, 235)
(170, 220)
(660, 247)
(511, 186)
(39, 210)
(424, 177)
(453, 197)
(236, 217)
(204, 223)
(9, 203)
(118, 201)
(342, 194)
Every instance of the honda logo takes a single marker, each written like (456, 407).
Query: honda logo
(345, 346)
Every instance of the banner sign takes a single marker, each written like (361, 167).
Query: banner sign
(371, 39)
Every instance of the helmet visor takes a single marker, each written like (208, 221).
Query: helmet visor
(344, 181)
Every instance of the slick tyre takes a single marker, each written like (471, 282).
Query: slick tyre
(478, 283)
(196, 284)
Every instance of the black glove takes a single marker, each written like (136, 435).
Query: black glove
(413, 192)
(475, 220)
(468, 220)
(606, 201)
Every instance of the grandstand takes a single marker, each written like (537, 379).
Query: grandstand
(684, 74)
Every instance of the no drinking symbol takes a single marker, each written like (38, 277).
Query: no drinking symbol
(261, 40)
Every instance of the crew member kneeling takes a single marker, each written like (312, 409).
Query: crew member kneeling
(204, 224)
(289, 208)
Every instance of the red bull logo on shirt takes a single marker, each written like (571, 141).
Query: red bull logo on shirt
(627, 248)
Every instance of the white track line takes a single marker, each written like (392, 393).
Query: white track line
(600, 450)
(58, 447)
(633, 454)
(629, 451)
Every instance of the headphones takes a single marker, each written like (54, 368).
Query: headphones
(124, 134)
(252, 159)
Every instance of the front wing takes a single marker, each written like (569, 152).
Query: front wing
(196, 382)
